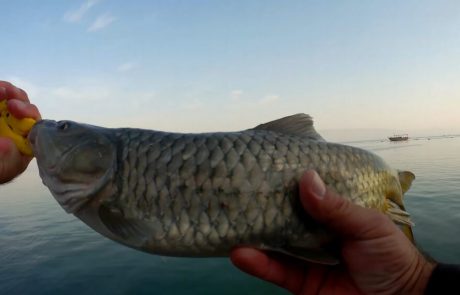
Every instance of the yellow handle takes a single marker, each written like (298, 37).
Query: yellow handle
(16, 129)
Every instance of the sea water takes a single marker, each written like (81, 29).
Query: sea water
(43, 250)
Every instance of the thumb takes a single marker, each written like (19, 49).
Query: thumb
(346, 219)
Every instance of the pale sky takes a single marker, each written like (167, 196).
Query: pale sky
(194, 66)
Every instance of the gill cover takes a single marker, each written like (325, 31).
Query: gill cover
(75, 160)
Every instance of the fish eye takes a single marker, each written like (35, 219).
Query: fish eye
(63, 125)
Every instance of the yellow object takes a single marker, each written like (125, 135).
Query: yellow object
(15, 128)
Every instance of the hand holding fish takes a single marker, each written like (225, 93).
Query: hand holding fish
(12, 162)
(203, 194)
(376, 256)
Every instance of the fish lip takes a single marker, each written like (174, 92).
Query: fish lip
(33, 133)
(31, 137)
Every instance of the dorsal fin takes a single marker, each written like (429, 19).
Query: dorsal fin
(298, 124)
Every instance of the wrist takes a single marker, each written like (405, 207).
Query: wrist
(421, 276)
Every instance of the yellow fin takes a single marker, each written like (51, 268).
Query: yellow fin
(401, 218)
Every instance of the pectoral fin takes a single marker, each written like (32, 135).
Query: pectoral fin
(132, 231)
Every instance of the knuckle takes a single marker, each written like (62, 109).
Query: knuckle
(339, 207)
(7, 85)
(379, 218)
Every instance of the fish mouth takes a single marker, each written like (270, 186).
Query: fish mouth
(49, 159)
(32, 136)
(39, 146)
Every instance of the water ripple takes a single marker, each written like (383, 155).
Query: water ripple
(45, 251)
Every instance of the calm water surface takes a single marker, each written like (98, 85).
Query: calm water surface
(45, 251)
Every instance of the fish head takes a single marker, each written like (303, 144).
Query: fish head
(75, 160)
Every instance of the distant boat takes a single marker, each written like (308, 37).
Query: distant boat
(401, 137)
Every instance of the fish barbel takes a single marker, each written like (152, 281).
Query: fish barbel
(203, 194)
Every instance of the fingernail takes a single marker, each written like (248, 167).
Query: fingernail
(318, 188)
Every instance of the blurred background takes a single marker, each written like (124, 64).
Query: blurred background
(227, 65)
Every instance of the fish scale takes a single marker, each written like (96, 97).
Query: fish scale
(279, 154)
(203, 194)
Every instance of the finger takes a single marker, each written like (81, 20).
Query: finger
(12, 92)
(284, 273)
(11, 162)
(21, 109)
(339, 214)
(2, 93)
(6, 145)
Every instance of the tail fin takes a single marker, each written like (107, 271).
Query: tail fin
(405, 179)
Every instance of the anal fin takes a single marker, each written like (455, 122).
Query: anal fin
(398, 215)
(401, 218)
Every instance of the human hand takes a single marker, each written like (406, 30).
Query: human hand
(377, 258)
(12, 162)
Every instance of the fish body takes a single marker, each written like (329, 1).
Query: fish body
(203, 194)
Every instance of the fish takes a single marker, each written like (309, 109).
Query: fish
(202, 194)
